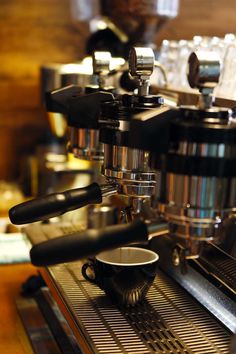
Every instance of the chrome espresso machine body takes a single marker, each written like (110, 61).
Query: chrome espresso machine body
(195, 160)
(188, 219)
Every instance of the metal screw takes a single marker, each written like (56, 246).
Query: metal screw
(176, 257)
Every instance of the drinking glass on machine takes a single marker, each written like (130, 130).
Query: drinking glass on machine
(227, 84)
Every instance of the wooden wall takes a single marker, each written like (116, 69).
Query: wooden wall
(34, 32)
(31, 33)
(202, 17)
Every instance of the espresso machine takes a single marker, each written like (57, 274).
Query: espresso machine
(189, 221)
(125, 169)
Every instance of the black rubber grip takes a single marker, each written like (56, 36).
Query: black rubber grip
(55, 204)
(76, 246)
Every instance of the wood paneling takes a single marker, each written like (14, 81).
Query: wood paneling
(33, 33)
(201, 17)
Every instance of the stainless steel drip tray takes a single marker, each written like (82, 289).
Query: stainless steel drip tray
(168, 321)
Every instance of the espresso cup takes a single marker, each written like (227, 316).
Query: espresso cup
(125, 273)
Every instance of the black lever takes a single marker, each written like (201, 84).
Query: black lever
(55, 204)
(150, 129)
(82, 111)
(58, 100)
(79, 245)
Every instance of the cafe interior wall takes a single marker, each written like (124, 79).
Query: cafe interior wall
(34, 32)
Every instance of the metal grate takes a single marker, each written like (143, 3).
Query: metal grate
(169, 321)
(220, 265)
(196, 327)
(226, 269)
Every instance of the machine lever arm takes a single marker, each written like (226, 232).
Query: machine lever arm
(58, 203)
(79, 245)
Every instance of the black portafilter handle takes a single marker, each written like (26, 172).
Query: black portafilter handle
(79, 245)
(55, 204)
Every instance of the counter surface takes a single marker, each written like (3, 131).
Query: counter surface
(13, 338)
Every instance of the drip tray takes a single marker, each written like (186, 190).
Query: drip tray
(168, 321)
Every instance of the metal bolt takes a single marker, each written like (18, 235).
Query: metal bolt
(176, 257)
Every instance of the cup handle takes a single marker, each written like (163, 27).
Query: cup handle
(84, 272)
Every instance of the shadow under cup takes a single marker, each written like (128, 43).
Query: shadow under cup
(125, 273)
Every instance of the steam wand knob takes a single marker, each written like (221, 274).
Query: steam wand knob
(141, 66)
(203, 73)
(101, 66)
